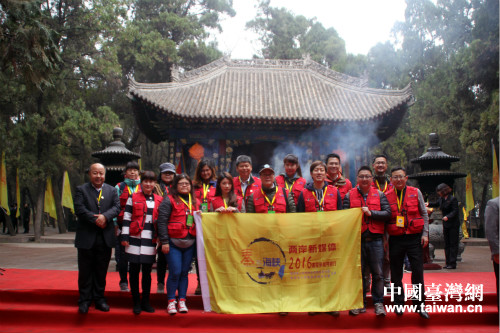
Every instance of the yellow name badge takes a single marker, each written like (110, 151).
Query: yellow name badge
(400, 221)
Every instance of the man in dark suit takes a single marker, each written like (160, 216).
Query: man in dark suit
(96, 204)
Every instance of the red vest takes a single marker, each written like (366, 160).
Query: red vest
(343, 189)
(139, 210)
(218, 202)
(262, 206)
(252, 188)
(329, 203)
(414, 223)
(373, 203)
(123, 199)
(297, 186)
(177, 227)
(198, 193)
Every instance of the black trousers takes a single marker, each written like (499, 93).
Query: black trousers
(161, 266)
(451, 235)
(92, 270)
(399, 247)
(146, 281)
(121, 260)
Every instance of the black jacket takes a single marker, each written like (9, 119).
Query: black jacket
(86, 207)
(449, 208)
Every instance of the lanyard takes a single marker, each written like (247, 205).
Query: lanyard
(320, 204)
(205, 191)
(385, 188)
(135, 191)
(99, 197)
(188, 205)
(267, 199)
(289, 188)
(225, 203)
(400, 200)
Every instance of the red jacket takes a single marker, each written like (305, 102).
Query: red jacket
(123, 199)
(253, 187)
(198, 193)
(329, 203)
(373, 203)
(177, 226)
(218, 202)
(297, 186)
(139, 210)
(414, 223)
(262, 206)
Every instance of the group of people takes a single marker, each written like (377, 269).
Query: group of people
(153, 218)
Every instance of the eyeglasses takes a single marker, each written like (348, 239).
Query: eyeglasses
(365, 177)
(183, 184)
(398, 177)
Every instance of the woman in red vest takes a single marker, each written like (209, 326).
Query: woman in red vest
(177, 233)
(319, 196)
(225, 199)
(292, 178)
(204, 182)
(139, 239)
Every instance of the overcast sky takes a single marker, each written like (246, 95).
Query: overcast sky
(360, 23)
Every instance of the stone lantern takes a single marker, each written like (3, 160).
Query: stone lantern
(435, 169)
(115, 157)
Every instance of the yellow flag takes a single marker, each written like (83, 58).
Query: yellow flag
(67, 197)
(469, 198)
(464, 225)
(4, 197)
(495, 172)
(49, 203)
(18, 195)
(298, 262)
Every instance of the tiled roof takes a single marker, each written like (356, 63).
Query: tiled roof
(263, 89)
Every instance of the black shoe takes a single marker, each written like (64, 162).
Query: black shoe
(83, 307)
(449, 267)
(424, 314)
(137, 309)
(147, 308)
(102, 306)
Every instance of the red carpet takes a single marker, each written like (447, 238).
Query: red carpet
(45, 301)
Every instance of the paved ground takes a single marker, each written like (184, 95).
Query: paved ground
(56, 251)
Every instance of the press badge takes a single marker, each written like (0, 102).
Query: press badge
(271, 212)
(400, 221)
(204, 207)
(189, 221)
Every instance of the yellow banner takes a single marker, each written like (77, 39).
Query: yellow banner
(67, 197)
(469, 198)
(4, 197)
(260, 263)
(49, 202)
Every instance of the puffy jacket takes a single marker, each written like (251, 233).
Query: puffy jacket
(414, 223)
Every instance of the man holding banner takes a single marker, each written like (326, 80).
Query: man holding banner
(376, 211)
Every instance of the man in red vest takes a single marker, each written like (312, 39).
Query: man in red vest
(244, 183)
(334, 176)
(376, 211)
(408, 235)
(382, 182)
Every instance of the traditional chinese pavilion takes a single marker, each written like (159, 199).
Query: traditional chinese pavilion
(232, 107)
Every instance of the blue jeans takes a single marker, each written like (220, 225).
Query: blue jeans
(179, 262)
(372, 254)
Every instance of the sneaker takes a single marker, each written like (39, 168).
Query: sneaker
(171, 308)
(354, 312)
(379, 309)
(362, 310)
(182, 306)
(124, 286)
(160, 288)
